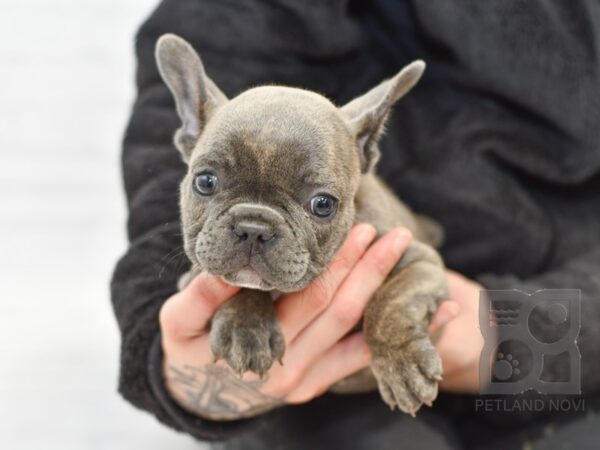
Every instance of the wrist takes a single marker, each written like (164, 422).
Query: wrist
(215, 392)
(178, 417)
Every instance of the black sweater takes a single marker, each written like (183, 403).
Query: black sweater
(500, 142)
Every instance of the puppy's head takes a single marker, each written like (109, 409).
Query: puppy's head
(272, 173)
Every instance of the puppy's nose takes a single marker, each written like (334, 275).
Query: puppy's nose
(253, 231)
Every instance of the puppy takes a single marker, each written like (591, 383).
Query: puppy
(277, 176)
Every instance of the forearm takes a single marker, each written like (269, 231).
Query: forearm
(215, 392)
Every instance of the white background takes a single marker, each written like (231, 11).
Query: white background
(66, 88)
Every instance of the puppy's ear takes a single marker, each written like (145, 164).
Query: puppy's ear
(367, 114)
(197, 97)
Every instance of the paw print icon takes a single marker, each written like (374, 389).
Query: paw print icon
(505, 367)
(523, 331)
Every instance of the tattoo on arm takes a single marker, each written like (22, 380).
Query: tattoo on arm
(217, 393)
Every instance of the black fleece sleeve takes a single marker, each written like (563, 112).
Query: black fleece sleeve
(242, 44)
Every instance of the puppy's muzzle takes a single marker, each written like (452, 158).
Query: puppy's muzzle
(254, 227)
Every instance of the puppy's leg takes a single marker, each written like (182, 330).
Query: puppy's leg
(245, 333)
(405, 362)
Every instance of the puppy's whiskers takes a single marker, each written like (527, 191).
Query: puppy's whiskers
(171, 257)
(178, 252)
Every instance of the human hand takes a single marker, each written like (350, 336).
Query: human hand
(315, 323)
(460, 341)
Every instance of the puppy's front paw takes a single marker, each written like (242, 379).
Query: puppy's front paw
(246, 343)
(408, 376)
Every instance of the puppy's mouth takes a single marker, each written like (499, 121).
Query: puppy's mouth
(248, 278)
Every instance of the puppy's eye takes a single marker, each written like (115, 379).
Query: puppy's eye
(205, 183)
(323, 205)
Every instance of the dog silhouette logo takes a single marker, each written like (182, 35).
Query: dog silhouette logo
(530, 341)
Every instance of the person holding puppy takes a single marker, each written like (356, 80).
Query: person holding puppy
(467, 147)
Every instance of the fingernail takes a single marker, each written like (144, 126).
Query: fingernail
(453, 310)
(402, 236)
(366, 235)
(443, 317)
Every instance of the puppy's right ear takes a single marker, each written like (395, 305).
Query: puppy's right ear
(367, 114)
(197, 97)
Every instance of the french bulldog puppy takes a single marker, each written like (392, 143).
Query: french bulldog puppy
(277, 176)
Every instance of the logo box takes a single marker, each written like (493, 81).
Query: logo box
(523, 332)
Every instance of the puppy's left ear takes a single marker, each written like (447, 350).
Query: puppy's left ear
(197, 97)
(367, 114)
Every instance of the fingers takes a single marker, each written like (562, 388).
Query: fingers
(186, 314)
(347, 307)
(462, 381)
(348, 356)
(296, 310)
(445, 313)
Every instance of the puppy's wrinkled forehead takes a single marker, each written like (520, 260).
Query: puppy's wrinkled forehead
(279, 133)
